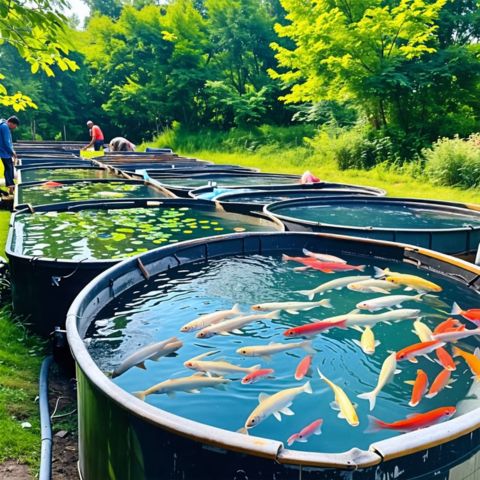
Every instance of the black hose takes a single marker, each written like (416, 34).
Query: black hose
(45, 424)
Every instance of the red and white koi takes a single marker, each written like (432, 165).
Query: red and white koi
(303, 368)
(323, 257)
(257, 375)
(417, 349)
(312, 329)
(472, 314)
(315, 428)
(449, 325)
(325, 267)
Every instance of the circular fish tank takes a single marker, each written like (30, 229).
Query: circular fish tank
(47, 162)
(447, 227)
(51, 192)
(27, 175)
(180, 185)
(56, 249)
(213, 390)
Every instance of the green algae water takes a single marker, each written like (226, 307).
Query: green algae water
(157, 309)
(56, 174)
(72, 192)
(227, 180)
(379, 215)
(120, 233)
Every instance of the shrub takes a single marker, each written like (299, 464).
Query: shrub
(454, 161)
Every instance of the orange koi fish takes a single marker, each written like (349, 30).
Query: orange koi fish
(256, 375)
(472, 314)
(445, 359)
(51, 184)
(315, 428)
(303, 368)
(311, 329)
(420, 386)
(423, 348)
(442, 380)
(420, 420)
(450, 324)
(473, 360)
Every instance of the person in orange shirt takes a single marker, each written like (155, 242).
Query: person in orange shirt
(97, 138)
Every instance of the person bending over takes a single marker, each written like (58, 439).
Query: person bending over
(120, 144)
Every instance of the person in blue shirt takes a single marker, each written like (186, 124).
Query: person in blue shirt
(7, 153)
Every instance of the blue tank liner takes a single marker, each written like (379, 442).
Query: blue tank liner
(158, 150)
(43, 288)
(156, 190)
(121, 434)
(454, 241)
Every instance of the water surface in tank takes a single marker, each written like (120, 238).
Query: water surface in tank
(46, 174)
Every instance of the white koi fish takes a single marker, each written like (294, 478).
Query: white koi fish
(293, 307)
(389, 301)
(234, 325)
(275, 405)
(323, 257)
(346, 407)
(422, 331)
(374, 285)
(191, 384)
(367, 341)
(150, 352)
(388, 370)
(218, 367)
(456, 335)
(210, 319)
(362, 319)
(266, 351)
(336, 284)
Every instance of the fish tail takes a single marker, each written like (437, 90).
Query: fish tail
(456, 352)
(380, 272)
(307, 346)
(456, 310)
(326, 303)
(307, 388)
(374, 424)
(285, 257)
(243, 430)
(321, 375)
(140, 395)
(431, 395)
(361, 267)
(236, 308)
(308, 293)
(370, 396)
(255, 367)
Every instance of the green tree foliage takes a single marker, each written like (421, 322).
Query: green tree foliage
(36, 29)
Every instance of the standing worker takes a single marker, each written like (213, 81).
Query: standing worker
(7, 153)
(97, 137)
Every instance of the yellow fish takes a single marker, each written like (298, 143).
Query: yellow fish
(367, 341)
(347, 410)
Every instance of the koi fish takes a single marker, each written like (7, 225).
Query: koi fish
(414, 282)
(388, 370)
(325, 267)
(422, 331)
(362, 319)
(473, 360)
(311, 329)
(323, 257)
(450, 324)
(336, 284)
(191, 384)
(210, 319)
(367, 341)
(234, 325)
(379, 303)
(420, 386)
(52, 184)
(374, 285)
(415, 422)
(342, 402)
(315, 428)
(266, 351)
(455, 335)
(412, 351)
(293, 307)
(153, 351)
(472, 314)
(442, 380)
(217, 367)
(257, 375)
(275, 405)
(445, 359)
(303, 368)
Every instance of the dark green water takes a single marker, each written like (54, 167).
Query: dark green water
(119, 233)
(56, 174)
(72, 192)
(227, 180)
(157, 309)
(381, 215)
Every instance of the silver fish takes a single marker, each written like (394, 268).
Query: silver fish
(336, 284)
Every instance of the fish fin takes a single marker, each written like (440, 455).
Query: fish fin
(341, 415)
(236, 308)
(456, 310)
(388, 322)
(243, 430)
(225, 334)
(326, 303)
(397, 371)
(431, 395)
(377, 343)
(285, 257)
(408, 289)
(449, 386)
(370, 396)
(308, 253)
(292, 312)
(237, 331)
(334, 406)
(194, 390)
(398, 305)
(357, 328)
(254, 367)
(308, 308)
(300, 269)
(353, 312)
(380, 290)
(477, 352)
(307, 346)
(203, 355)
(287, 411)
(307, 388)
(308, 293)
(361, 267)
(199, 374)
(409, 382)
(357, 342)
(277, 416)
(326, 270)
(275, 315)
(413, 360)
(262, 397)
(302, 440)
(141, 365)
(428, 358)
(379, 272)
(170, 394)
(140, 395)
